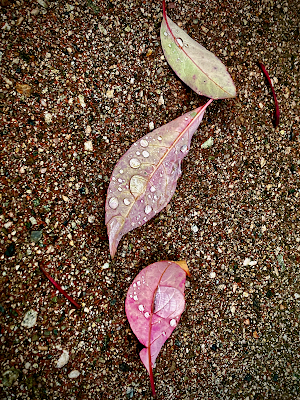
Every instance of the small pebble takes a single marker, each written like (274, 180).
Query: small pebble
(63, 359)
(212, 275)
(151, 126)
(88, 146)
(74, 374)
(29, 319)
(195, 228)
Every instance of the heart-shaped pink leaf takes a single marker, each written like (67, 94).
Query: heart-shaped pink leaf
(197, 67)
(154, 304)
(144, 180)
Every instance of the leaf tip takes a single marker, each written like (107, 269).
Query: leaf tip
(114, 227)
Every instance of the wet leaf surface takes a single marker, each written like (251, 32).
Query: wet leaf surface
(197, 67)
(144, 180)
(154, 304)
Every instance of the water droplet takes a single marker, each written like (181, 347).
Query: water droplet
(173, 322)
(186, 118)
(134, 163)
(148, 209)
(179, 42)
(119, 189)
(137, 185)
(170, 45)
(184, 148)
(164, 333)
(141, 307)
(138, 283)
(130, 295)
(166, 33)
(152, 189)
(132, 223)
(136, 298)
(144, 143)
(155, 197)
(147, 315)
(113, 203)
(113, 178)
(121, 171)
(134, 285)
(120, 180)
(138, 153)
(159, 138)
(126, 202)
(145, 154)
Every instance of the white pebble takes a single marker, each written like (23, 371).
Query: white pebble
(88, 146)
(195, 228)
(105, 266)
(297, 296)
(63, 359)
(151, 126)
(74, 374)
(29, 319)
(48, 117)
(212, 275)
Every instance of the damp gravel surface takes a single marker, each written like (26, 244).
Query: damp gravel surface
(82, 81)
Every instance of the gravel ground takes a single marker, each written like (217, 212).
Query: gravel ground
(96, 78)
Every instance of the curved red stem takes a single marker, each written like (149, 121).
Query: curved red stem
(59, 288)
(277, 112)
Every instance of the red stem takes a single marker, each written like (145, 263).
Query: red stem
(277, 112)
(59, 288)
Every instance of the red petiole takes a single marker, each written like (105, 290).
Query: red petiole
(277, 112)
(59, 288)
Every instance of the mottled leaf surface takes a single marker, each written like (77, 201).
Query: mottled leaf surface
(144, 180)
(197, 67)
(154, 304)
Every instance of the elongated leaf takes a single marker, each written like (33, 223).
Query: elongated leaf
(197, 67)
(144, 180)
(154, 304)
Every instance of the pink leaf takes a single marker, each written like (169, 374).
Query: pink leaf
(154, 304)
(197, 67)
(144, 180)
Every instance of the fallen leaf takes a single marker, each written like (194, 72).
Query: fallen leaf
(154, 304)
(197, 67)
(144, 180)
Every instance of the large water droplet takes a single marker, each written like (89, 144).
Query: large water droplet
(136, 298)
(184, 148)
(145, 154)
(179, 42)
(148, 209)
(159, 138)
(134, 163)
(144, 143)
(113, 203)
(126, 202)
(141, 307)
(120, 180)
(137, 185)
(173, 322)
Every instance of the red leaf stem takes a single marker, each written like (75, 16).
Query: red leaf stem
(277, 112)
(59, 288)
